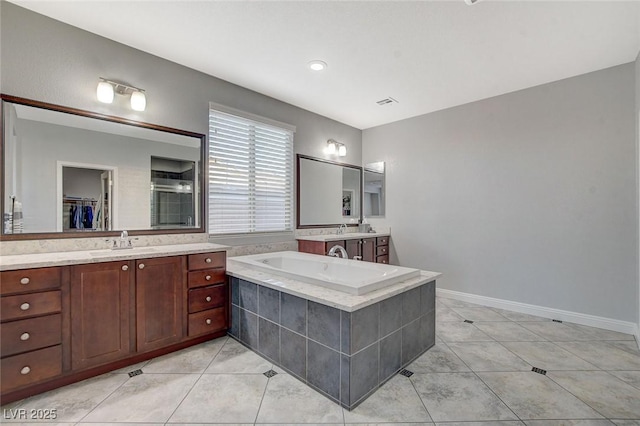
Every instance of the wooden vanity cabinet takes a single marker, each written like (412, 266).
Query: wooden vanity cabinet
(382, 250)
(371, 249)
(31, 326)
(365, 247)
(101, 299)
(208, 294)
(64, 324)
(159, 301)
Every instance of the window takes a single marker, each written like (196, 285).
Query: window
(250, 173)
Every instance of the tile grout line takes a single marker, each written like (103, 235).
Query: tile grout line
(184, 397)
(262, 399)
(105, 398)
(483, 382)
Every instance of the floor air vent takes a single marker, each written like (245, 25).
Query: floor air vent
(406, 373)
(270, 373)
(539, 371)
(135, 373)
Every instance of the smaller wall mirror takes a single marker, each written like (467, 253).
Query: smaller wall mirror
(373, 190)
(329, 194)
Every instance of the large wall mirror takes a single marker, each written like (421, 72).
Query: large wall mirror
(72, 173)
(373, 190)
(329, 193)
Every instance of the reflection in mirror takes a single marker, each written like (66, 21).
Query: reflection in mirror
(74, 172)
(373, 190)
(328, 193)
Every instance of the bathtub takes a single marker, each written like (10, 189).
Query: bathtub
(350, 276)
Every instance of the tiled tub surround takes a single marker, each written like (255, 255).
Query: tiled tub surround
(344, 355)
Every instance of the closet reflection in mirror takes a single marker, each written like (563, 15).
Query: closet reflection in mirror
(373, 199)
(69, 171)
(86, 200)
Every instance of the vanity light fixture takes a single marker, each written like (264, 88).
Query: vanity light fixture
(334, 147)
(107, 89)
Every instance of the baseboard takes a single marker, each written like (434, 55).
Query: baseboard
(542, 311)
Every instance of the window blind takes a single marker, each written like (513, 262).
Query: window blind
(250, 176)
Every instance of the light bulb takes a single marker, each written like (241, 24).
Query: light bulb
(105, 92)
(342, 151)
(138, 101)
(331, 148)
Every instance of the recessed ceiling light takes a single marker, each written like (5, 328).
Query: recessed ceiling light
(317, 65)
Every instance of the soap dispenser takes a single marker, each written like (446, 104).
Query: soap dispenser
(364, 227)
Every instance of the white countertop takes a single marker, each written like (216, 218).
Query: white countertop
(336, 299)
(41, 260)
(346, 236)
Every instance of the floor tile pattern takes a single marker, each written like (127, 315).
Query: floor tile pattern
(477, 374)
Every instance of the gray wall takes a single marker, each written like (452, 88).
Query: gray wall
(47, 60)
(529, 197)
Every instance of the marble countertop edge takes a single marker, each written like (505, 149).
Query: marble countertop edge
(43, 260)
(338, 237)
(329, 297)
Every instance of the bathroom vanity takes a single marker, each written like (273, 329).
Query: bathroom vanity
(372, 247)
(70, 316)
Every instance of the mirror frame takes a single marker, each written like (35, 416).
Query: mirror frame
(324, 225)
(89, 114)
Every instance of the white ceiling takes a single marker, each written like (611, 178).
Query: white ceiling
(428, 55)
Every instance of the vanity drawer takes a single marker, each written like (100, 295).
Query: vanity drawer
(382, 250)
(207, 260)
(383, 259)
(30, 280)
(29, 305)
(208, 321)
(204, 298)
(382, 241)
(30, 367)
(30, 334)
(205, 278)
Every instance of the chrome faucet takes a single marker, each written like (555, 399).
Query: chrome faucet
(123, 243)
(338, 251)
(341, 229)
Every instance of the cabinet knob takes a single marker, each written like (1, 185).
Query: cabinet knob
(141, 266)
(208, 278)
(208, 298)
(25, 306)
(384, 250)
(208, 321)
(125, 268)
(25, 336)
(25, 370)
(24, 280)
(208, 260)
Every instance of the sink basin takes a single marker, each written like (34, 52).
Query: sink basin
(123, 252)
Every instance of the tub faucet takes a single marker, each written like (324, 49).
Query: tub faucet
(338, 251)
(341, 229)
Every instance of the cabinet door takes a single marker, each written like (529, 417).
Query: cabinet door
(369, 249)
(160, 294)
(100, 295)
(353, 248)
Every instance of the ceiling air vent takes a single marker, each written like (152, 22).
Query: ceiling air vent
(387, 101)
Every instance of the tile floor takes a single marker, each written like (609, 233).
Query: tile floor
(477, 373)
